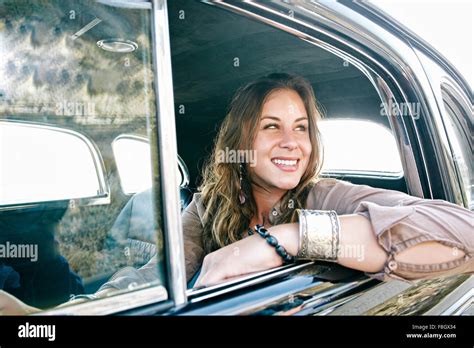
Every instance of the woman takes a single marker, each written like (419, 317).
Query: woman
(401, 237)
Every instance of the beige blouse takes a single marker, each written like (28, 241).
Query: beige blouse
(424, 220)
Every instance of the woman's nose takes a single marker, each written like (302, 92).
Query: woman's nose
(288, 140)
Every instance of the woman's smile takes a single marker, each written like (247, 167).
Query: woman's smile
(286, 164)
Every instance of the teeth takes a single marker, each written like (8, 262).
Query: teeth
(285, 162)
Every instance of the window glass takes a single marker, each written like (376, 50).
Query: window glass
(354, 146)
(75, 76)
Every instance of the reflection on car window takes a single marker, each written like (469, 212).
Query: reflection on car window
(132, 155)
(79, 68)
(28, 151)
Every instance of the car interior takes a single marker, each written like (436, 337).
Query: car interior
(214, 52)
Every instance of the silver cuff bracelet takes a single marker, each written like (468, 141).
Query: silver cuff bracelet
(319, 235)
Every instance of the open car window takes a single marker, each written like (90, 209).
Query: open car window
(359, 144)
(75, 76)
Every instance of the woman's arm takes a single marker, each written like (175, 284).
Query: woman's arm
(359, 250)
(192, 236)
(10, 305)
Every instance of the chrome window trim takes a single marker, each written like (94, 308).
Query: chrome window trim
(330, 24)
(417, 41)
(184, 173)
(113, 303)
(363, 174)
(167, 147)
(322, 302)
(437, 129)
(252, 302)
(453, 98)
(460, 305)
(311, 306)
(103, 196)
(129, 4)
(197, 295)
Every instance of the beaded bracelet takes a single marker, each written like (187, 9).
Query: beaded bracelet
(280, 250)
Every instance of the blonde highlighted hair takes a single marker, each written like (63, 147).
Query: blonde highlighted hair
(225, 219)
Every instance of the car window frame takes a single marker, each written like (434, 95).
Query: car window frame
(145, 301)
(387, 88)
(152, 299)
(452, 99)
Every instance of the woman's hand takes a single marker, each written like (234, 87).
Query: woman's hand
(249, 255)
(10, 305)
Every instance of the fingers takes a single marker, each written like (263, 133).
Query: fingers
(209, 276)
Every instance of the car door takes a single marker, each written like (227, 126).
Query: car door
(77, 83)
(215, 47)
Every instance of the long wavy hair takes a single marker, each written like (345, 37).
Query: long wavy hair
(225, 219)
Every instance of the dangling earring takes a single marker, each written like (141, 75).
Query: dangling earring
(241, 192)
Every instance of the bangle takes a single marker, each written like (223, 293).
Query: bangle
(280, 250)
(319, 235)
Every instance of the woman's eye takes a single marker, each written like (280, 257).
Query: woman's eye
(271, 126)
(301, 127)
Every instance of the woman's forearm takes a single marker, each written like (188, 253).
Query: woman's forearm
(358, 246)
(359, 249)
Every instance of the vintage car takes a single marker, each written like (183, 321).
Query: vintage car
(108, 111)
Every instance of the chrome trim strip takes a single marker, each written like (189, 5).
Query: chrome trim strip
(423, 45)
(129, 4)
(174, 245)
(326, 297)
(324, 292)
(364, 174)
(113, 304)
(184, 171)
(453, 98)
(243, 282)
(460, 305)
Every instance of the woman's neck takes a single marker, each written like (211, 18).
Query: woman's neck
(265, 201)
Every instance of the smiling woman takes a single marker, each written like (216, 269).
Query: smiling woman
(275, 109)
(299, 214)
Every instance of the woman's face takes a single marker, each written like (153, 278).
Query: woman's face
(282, 142)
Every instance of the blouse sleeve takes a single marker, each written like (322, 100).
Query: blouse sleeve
(417, 220)
(192, 230)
